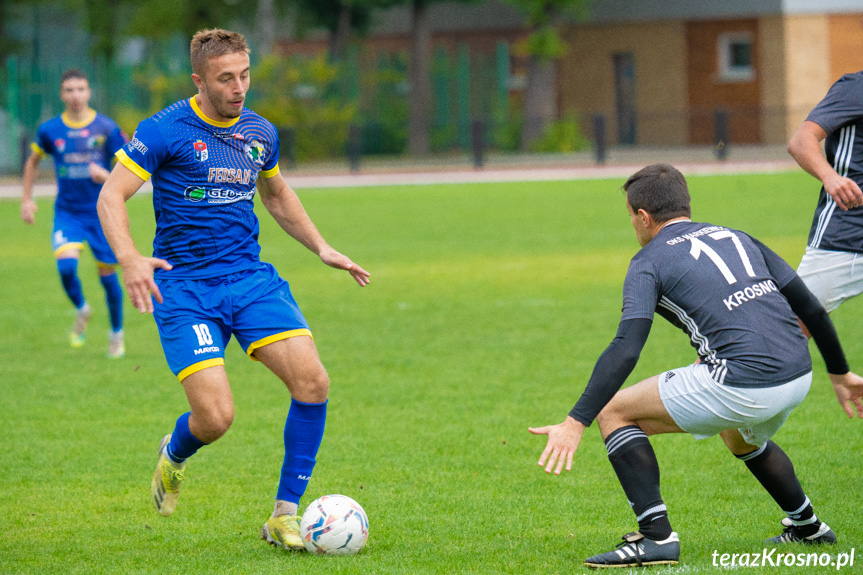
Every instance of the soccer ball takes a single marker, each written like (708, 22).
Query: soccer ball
(334, 525)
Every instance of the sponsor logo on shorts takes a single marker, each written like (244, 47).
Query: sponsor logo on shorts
(211, 349)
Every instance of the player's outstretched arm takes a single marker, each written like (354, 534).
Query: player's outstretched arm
(563, 441)
(285, 207)
(121, 185)
(28, 206)
(805, 148)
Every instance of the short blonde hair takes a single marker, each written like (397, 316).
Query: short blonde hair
(207, 44)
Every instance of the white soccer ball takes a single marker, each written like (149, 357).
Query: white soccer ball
(334, 525)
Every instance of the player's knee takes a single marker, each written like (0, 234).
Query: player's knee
(610, 418)
(216, 424)
(314, 387)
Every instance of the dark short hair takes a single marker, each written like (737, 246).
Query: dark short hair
(660, 190)
(73, 74)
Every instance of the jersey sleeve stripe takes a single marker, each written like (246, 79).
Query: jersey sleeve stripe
(272, 173)
(37, 150)
(124, 159)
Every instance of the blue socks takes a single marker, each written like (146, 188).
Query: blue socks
(304, 430)
(114, 296)
(183, 444)
(68, 268)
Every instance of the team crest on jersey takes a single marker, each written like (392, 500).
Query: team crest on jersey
(96, 141)
(60, 145)
(255, 152)
(201, 153)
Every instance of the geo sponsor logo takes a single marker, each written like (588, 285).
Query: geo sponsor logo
(217, 195)
(195, 193)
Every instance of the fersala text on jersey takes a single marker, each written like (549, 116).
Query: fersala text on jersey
(695, 234)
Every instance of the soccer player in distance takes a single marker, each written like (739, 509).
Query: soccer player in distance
(82, 143)
(829, 266)
(208, 156)
(738, 302)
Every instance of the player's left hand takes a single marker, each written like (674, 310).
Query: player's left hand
(342, 262)
(563, 441)
(97, 173)
(849, 392)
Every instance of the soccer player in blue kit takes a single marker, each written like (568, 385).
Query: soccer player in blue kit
(208, 157)
(738, 302)
(82, 143)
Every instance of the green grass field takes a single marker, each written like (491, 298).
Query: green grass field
(488, 307)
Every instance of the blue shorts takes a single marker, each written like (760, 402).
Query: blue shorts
(199, 316)
(71, 230)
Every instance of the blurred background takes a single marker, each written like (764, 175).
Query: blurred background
(359, 84)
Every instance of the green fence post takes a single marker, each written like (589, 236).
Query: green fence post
(503, 79)
(441, 77)
(353, 74)
(13, 88)
(463, 96)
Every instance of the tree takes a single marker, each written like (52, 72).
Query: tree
(342, 19)
(543, 48)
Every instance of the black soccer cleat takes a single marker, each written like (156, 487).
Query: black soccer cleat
(636, 551)
(792, 534)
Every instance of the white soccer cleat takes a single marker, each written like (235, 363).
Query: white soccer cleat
(116, 345)
(77, 336)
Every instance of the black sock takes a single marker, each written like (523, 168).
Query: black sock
(774, 470)
(634, 461)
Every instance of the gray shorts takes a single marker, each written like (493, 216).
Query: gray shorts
(703, 408)
(834, 277)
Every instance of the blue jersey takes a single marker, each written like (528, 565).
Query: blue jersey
(73, 145)
(840, 114)
(721, 287)
(204, 174)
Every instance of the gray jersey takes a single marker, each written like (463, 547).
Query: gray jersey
(721, 287)
(840, 114)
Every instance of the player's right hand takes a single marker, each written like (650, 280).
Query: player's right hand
(28, 211)
(849, 392)
(844, 191)
(563, 441)
(138, 278)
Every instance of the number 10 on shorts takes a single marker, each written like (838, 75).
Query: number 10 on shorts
(203, 333)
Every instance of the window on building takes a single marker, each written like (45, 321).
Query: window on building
(735, 57)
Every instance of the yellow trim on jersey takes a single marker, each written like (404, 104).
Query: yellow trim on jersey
(124, 159)
(69, 246)
(274, 338)
(212, 122)
(77, 125)
(271, 173)
(196, 367)
(36, 149)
